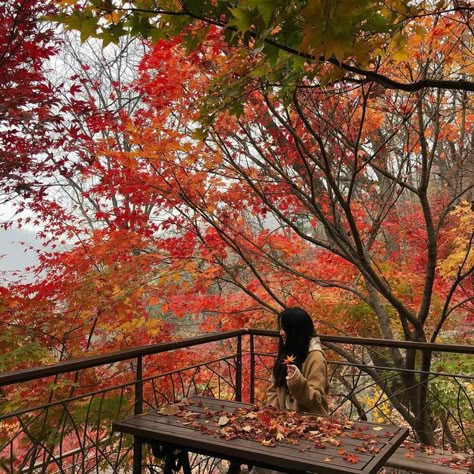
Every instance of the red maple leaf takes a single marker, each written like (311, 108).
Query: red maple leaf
(352, 458)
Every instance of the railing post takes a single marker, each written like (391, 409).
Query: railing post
(238, 370)
(252, 370)
(138, 408)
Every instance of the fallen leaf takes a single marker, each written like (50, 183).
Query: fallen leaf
(169, 410)
(352, 458)
(327, 459)
(377, 428)
(227, 431)
(223, 420)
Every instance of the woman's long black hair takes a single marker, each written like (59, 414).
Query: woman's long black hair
(299, 329)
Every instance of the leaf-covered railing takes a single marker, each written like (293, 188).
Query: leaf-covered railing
(58, 418)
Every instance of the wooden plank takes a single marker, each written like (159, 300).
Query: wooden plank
(417, 461)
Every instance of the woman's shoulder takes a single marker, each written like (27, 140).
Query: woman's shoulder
(315, 345)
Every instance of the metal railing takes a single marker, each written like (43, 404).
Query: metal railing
(58, 418)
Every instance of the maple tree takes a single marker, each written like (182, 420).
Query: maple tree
(87, 279)
(254, 173)
(337, 180)
(28, 101)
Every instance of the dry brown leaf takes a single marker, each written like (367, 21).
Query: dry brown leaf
(169, 410)
(223, 420)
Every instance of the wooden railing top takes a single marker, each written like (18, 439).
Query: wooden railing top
(25, 375)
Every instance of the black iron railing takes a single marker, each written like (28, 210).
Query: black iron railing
(58, 418)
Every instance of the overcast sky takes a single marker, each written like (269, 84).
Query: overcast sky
(13, 255)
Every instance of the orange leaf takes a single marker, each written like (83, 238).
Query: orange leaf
(352, 458)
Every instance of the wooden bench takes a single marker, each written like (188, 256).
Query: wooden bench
(436, 463)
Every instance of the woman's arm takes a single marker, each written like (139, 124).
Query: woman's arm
(310, 391)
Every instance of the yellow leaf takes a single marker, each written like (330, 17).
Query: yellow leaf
(223, 420)
(400, 55)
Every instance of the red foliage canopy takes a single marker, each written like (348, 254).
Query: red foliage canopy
(27, 98)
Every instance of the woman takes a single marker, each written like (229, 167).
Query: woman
(302, 384)
(300, 375)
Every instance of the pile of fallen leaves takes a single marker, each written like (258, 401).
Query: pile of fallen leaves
(270, 426)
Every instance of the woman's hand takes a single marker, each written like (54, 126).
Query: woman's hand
(290, 370)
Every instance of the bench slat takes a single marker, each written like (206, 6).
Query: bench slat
(422, 462)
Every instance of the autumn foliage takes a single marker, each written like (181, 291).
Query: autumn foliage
(245, 167)
(221, 198)
(29, 106)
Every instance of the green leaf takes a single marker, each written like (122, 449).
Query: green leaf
(378, 23)
(113, 34)
(139, 26)
(264, 7)
(243, 19)
(88, 29)
(156, 34)
(272, 53)
(200, 134)
(198, 6)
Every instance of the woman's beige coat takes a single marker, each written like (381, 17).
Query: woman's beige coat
(308, 388)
